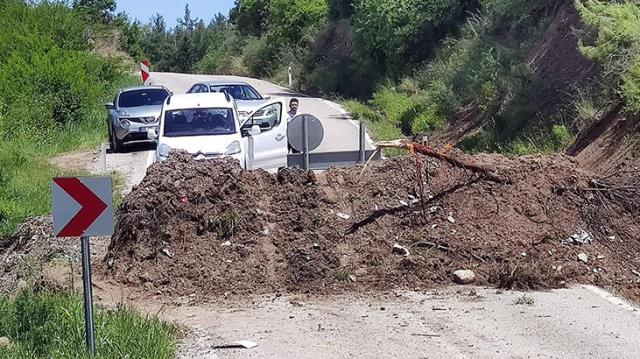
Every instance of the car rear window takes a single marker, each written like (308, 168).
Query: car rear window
(199, 122)
(238, 92)
(146, 97)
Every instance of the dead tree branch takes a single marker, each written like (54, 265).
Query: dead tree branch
(415, 148)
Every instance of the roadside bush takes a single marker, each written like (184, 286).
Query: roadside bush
(426, 121)
(393, 104)
(382, 129)
(537, 140)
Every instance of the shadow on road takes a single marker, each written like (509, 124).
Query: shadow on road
(339, 117)
(289, 94)
(136, 147)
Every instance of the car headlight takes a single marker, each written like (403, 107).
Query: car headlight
(125, 124)
(233, 149)
(163, 151)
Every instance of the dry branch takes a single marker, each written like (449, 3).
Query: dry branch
(415, 148)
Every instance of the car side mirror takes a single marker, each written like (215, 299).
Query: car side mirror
(109, 106)
(152, 134)
(255, 130)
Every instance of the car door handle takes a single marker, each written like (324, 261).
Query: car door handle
(280, 137)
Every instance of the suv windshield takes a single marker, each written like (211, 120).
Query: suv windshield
(238, 92)
(199, 122)
(146, 97)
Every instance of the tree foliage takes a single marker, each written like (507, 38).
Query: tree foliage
(96, 10)
(250, 16)
(401, 31)
(340, 9)
(617, 44)
(290, 20)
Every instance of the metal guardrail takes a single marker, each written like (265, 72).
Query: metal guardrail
(322, 160)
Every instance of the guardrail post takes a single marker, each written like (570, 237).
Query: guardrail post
(362, 147)
(103, 158)
(305, 142)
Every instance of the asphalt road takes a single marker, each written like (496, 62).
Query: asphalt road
(455, 322)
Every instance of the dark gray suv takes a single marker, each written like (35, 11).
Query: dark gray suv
(133, 111)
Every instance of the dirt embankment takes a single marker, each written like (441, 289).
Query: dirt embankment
(208, 227)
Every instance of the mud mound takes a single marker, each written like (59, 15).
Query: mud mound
(208, 227)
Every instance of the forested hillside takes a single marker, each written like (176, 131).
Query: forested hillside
(513, 76)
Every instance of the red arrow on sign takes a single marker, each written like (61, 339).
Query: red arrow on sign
(92, 207)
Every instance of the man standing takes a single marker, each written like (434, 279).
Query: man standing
(293, 108)
(293, 111)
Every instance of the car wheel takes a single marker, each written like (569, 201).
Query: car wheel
(116, 145)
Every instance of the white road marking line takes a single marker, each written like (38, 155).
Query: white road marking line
(345, 113)
(613, 299)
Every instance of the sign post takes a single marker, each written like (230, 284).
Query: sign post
(145, 72)
(88, 296)
(83, 207)
(290, 76)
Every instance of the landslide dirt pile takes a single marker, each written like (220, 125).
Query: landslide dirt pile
(208, 227)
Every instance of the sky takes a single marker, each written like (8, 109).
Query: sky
(173, 9)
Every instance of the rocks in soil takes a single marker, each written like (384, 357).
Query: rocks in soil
(464, 276)
(400, 250)
(582, 237)
(583, 257)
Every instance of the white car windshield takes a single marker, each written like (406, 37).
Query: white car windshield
(199, 122)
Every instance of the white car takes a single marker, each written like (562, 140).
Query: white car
(207, 126)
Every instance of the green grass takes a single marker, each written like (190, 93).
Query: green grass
(52, 326)
(382, 128)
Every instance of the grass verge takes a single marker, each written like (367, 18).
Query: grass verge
(52, 326)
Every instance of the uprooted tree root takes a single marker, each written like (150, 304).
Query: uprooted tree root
(416, 148)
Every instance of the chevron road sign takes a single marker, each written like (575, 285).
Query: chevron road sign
(82, 206)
